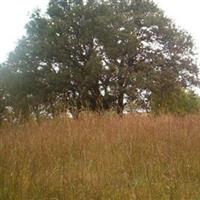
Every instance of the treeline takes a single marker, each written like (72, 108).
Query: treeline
(99, 55)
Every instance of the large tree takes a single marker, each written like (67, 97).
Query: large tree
(150, 55)
(100, 55)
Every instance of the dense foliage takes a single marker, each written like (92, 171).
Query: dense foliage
(99, 55)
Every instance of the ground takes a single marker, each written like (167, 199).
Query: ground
(102, 157)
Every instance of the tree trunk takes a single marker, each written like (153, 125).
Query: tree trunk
(120, 105)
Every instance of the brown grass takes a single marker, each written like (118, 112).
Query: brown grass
(155, 158)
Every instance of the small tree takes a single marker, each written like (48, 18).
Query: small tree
(181, 102)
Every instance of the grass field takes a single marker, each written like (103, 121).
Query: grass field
(137, 157)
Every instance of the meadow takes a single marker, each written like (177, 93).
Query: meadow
(102, 157)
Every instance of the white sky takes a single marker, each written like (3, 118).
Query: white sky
(14, 14)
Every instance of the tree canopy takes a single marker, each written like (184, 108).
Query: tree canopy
(98, 55)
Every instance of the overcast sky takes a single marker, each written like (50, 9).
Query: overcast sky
(14, 14)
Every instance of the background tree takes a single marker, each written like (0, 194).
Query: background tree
(100, 55)
(181, 102)
(148, 54)
(2, 100)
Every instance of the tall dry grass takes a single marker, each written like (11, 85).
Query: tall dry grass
(156, 158)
